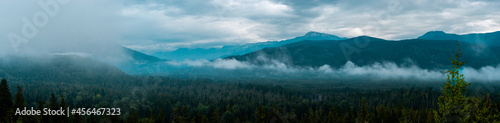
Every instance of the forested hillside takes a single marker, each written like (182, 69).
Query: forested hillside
(427, 54)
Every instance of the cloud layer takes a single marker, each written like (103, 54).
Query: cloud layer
(159, 25)
(218, 22)
(376, 71)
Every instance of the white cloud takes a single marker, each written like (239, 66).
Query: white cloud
(376, 71)
(389, 71)
(229, 64)
(483, 26)
(187, 29)
(487, 73)
(252, 8)
(81, 54)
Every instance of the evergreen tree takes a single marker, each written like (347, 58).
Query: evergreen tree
(363, 113)
(453, 102)
(490, 114)
(77, 119)
(5, 101)
(151, 118)
(63, 104)
(53, 105)
(381, 114)
(161, 117)
(333, 116)
(134, 118)
(197, 118)
(18, 101)
(53, 102)
(483, 113)
(430, 117)
(43, 118)
(215, 116)
(177, 118)
(260, 114)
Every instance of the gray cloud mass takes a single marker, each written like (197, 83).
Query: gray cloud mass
(163, 25)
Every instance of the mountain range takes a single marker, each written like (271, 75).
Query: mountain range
(430, 51)
(229, 50)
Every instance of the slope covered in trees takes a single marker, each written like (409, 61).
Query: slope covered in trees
(363, 50)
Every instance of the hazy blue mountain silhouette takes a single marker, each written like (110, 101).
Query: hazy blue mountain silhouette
(213, 53)
(492, 38)
(140, 63)
(428, 54)
(141, 57)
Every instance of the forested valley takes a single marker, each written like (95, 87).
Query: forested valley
(149, 99)
(163, 99)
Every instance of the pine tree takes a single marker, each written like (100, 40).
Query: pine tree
(381, 115)
(215, 116)
(53, 101)
(363, 113)
(197, 118)
(134, 118)
(63, 104)
(181, 116)
(161, 117)
(430, 117)
(333, 116)
(453, 102)
(177, 118)
(18, 101)
(53, 105)
(77, 119)
(151, 118)
(5, 100)
(484, 113)
(185, 113)
(44, 119)
(260, 114)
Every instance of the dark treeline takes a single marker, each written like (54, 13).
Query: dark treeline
(163, 99)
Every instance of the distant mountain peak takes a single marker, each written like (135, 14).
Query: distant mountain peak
(439, 35)
(313, 33)
(364, 37)
(435, 32)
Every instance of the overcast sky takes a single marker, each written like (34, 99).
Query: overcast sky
(162, 25)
